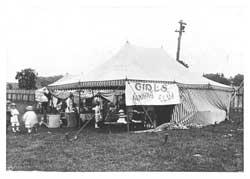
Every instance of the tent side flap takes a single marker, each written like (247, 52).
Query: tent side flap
(202, 107)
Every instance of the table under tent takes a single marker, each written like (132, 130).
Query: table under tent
(154, 88)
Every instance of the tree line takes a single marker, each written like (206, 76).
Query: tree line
(220, 78)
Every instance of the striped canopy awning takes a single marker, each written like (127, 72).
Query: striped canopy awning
(120, 84)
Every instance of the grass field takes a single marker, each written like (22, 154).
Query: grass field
(212, 148)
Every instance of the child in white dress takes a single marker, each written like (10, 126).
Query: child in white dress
(30, 119)
(14, 118)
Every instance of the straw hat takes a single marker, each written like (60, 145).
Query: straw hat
(29, 108)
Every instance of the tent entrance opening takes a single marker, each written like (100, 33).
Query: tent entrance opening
(163, 113)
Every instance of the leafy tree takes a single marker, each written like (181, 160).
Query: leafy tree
(237, 79)
(27, 79)
(219, 77)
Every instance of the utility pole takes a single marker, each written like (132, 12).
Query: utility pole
(180, 31)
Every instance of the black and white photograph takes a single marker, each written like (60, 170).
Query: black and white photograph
(123, 86)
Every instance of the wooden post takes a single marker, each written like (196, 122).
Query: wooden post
(182, 27)
(178, 46)
(127, 119)
(145, 119)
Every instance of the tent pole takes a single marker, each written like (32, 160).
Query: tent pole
(147, 115)
(126, 79)
(79, 119)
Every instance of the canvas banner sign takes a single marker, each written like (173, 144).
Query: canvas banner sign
(144, 93)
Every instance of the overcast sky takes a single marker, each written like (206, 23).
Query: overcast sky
(57, 36)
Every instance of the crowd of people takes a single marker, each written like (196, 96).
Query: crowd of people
(100, 108)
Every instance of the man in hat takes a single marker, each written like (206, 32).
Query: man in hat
(30, 119)
(14, 118)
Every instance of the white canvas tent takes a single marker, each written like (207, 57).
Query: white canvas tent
(202, 101)
(138, 63)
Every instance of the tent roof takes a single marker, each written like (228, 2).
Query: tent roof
(139, 63)
(68, 79)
